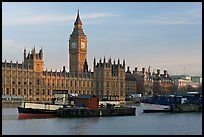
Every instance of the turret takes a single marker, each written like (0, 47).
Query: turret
(104, 60)
(143, 71)
(118, 63)
(41, 53)
(94, 62)
(124, 63)
(33, 52)
(24, 54)
(165, 73)
(158, 72)
(85, 66)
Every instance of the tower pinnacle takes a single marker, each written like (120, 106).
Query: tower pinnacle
(78, 20)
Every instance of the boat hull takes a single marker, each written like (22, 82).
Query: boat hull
(35, 113)
(153, 108)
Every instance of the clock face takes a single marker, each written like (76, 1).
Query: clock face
(82, 45)
(74, 45)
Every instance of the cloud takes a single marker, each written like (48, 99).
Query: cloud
(97, 15)
(39, 19)
(168, 21)
(193, 16)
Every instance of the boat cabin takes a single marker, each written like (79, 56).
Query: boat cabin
(61, 97)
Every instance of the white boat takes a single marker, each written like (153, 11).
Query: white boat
(148, 107)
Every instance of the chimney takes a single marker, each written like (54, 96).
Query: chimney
(135, 70)
(165, 73)
(158, 72)
(63, 69)
(143, 70)
(128, 69)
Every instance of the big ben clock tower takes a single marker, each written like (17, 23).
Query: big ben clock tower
(77, 47)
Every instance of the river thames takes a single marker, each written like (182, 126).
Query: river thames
(140, 124)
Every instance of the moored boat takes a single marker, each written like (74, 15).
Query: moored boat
(149, 108)
(157, 103)
(39, 110)
(167, 103)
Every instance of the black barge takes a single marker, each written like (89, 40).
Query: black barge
(95, 112)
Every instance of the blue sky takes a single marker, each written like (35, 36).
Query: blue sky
(164, 35)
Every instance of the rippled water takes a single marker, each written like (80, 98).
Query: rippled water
(140, 124)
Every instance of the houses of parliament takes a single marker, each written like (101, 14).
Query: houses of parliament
(108, 79)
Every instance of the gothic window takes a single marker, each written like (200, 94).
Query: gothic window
(37, 92)
(58, 82)
(38, 82)
(62, 82)
(121, 92)
(19, 81)
(43, 92)
(121, 84)
(107, 84)
(30, 92)
(24, 91)
(13, 91)
(7, 91)
(53, 82)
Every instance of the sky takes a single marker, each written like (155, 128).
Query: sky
(162, 35)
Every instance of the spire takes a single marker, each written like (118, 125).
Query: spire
(78, 20)
(109, 61)
(104, 60)
(24, 54)
(78, 30)
(94, 61)
(85, 66)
